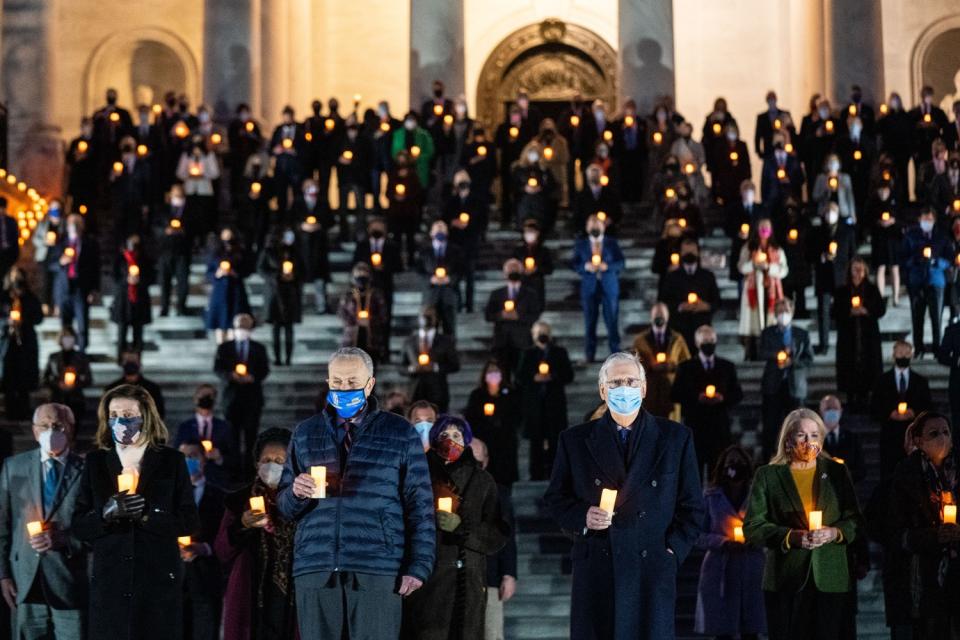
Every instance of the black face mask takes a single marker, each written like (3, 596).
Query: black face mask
(131, 368)
(425, 322)
(543, 338)
(362, 281)
(438, 93)
(111, 100)
(708, 348)
(659, 321)
(513, 276)
(376, 235)
(902, 363)
(595, 233)
(690, 258)
(205, 402)
(672, 168)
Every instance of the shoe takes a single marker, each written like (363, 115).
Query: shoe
(821, 351)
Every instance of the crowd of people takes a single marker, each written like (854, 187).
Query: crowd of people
(392, 517)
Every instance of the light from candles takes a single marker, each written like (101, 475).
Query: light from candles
(287, 143)
(514, 132)
(437, 109)
(127, 481)
(133, 271)
(142, 150)
(423, 359)
(832, 248)
(815, 520)
(529, 263)
(207, 445)
(114, 117)
(15, 315)
(184, 541)
(788, 147)
(329, 124)
(532, 182)
(602, 216)
(885, 216)
(927, 118)
(927, 252)
(710, 391)
(376, 259)
(657, 137)
(257, 504)
(401, 189)
(195, 170)
(118, 168)
(692, 298)
(949, 514)
(828, 125)
(83, 209)
(445, 505)
(287, 267)
(674, 259)
(225, 265)
(347, 154)
(415, 151)
(782, 357)
(575, 121)
(885, 175)
(489, 408)
(834, 183)
(311, 220)
(363, 314)
(608, 500)
(548, 153)
(448, 120)
(902, 408)
(744, 230)
(69, 377)
(249, 126)
(440, 273)
(855, 302)
(628, 120)
(464, 217)
(34, 528)
(604, 181)
(181, 130)
(543, 368)
(216, 138)
(241, 369)
(82, 146)
(385, 127)
(661, 357)
(734, 156)
(175, 223)
(509, 305)
(319, 475)
(738, 533)
(608, 135)
(256, 187)
(689, 168)
(717, 128)
(782, 174)
(852, 109)
(670, 193)
(596, 259)
(956, 204)
(884, 108)
(482, 151)
(777, 124)
(857, 154)
(682, 222)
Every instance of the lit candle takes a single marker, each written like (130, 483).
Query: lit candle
(608, 135)
(69, 377)
(401, 189)
(15, 315)
(927, 252)
(575, 121)
(448, 120)
(596, 259)
(257, 505)
(423, 359)
(608, 500)
(674, 259)
(956, 204)
(670, 193)
(717, 128)
(287, 143)
(445, 505)
(852, 109)
(761, 256)
(886, 175)
(604, 181)
(782, 174)
(885, 216)
(902, 408)
(118, 168)
(82, 146)
(385, 127)
(531, 182)
(133, 271)
(127, 481)
(692, 298)
(181, 130)
(689, 168)
(815, 520)
(834, 183)
(216, 138)
(661, 357)
(255, 187)
(514, 132)
(195, 170)
(319, 475)
(744, 229)
(855, 302)
(738, 533)
(415, 151)
(782, 357)
(440, 273)
(241, 369)
(311, 220)
(329, 124)
(788, 147)
(777, 124)
(628, 120)
(287, 267)
(207, 445)
(949, 514)
(601, 216)
(437, 109)
(376, 259)
(83, 209)
(464, 217)
(34, 528)
(832, 248)
(482, 151)
(489, 408)
(682, 222)
(657, 137)
(828, 125)
(249, 126)
(348, 155)
(363, 314)
(509, 306)
(114, 117)
(838, 460)
(734, 156)
(927, 118)
(184, 541)
(857, 154)
(710, 391)
(548, 153)
(529, 263)
(142, 150)
(175, 223)
(543, 368)
(225, 266)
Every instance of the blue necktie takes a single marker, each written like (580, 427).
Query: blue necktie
(624, 434)
(51, 478)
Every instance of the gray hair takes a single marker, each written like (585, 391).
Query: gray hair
(348, 353)
(63, 412)
(622, 356)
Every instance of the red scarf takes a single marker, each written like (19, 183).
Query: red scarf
(131, 261)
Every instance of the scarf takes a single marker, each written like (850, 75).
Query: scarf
(131, 259)
(940, 484)
(276, 546)
(772, 287)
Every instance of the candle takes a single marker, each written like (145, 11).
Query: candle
(949, 514)
(602, 216)
(207, 445)
(927, 252)
(15, 315)
(287, 143)
(225, 266)
(782, 357)
(604, 181)
(608, 500)
(348, 155)
(448, 120)
(509, 305)
(363, 314)
(734, 156)
(329, 124)
(857, 154)
(287, 267)
(241, 369)
(661, 357)
(777, 124)
(548, 153)
(885, 175)
(514, 132)
(319, 475)
(682, 222)
(401, 189)
(376, 259)
(834, 183)
(437, 109)
(657, 137)
(82, 146)
(69, 377)
(356, 98)
(195, 170)
(628, 120)
(710, 391)
(761, 256)
(855, 302)
(738, 533)
(482, 151)
(781, 174)
(255, 187)
(175, 223)
(257, 505)
(575, 121)
(114, 117)
(181, 130)
(308, 136)
(957, 261)
(311, 220)
(788, 147)
(689, 168)
(674, 259)
(956, 204)
(531, 182)
(445, 505)
(34, 528)
(852, 109)
(83, 209)
(838, 460)
(885, 216)
(423, 359)
(608, 135)
(927, 118)
(902, 408)
(832, 248)
(249, 126)
(184, 541)
(216, 138)
(828, 125)
(440, 273)
(127, 481)
(142, 150)
(385, 127)
(529, 263)
(717, 128)
(543, 368)
(596, 259)
(464, 217)
(133, 271)
(670, 193)
(815, 520)
(415, 151)
(692, 298)
(489, 408)
(118, 168)
(744, 229)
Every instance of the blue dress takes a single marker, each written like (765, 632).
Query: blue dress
(228, 295)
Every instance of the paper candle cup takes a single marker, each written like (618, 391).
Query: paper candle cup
(184, 541)
(34, 528)
(440, 273)
(257, 505)
(595, 259)
(445, 504)
(661, 357)
(69, 378)
(949, 514)
(674, 259)
(376, 259)
(608, 500)
(207, 445)
(464, 217)
(902, 408)
(815, 520)
(127, 482)
(692, 298)
(738, 534)
(319, 475)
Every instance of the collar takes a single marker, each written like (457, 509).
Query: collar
(199, 486)
(62, 458)
(427, 334)
(901, 372)
(704, 360)
(691, 269)
(200, 418)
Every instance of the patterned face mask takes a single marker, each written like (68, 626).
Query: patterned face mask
(126, 430)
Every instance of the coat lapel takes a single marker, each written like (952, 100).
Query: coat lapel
(789, 488)
(35, 478)
(645, 453)
(606, 454)
(71, 473)
(147, 467)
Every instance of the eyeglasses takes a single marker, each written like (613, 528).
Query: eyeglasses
(50, 427)
(346, 385)
(622, 382)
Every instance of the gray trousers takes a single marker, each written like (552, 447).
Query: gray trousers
(40, 622)
(347, 606)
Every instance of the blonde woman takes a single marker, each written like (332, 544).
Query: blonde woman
(137, 574)
(806, 578)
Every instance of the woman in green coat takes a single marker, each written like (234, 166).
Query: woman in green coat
(806, 578)
(418, 142)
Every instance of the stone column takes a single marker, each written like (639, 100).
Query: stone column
(274, 60)
(436, 48)
(853, 38)
(227, 36)
(646, 51)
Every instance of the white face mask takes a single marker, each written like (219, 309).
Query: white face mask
(856, 129)
(410, 125)
(833, 217)
(732, 136)
(270, 473)
(833, 166)
(926, 225)
(461, 109)
(52, 442)
(288, 237)
(824, 113)
(532, 157)
(784, 319)
(203, 117)
(178, 201)
(241, 334)
(68, 342)
(749, 197)
(529, 237)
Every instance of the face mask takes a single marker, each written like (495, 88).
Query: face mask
(661, 116)
(856, 129)
(241, 335)
(194, 466)
(543, 338)
(902, 363)
(689, 258)
(131, 368)
(362, 281)
(784, 319)
(603, 152)
(708, 348)
(111, 100)
(409, 125)
(765, 232)
(672, 167)
(438, 93)
(440, 236)
(493, 377)
(659, 321)
(72, 231)
(832, 217)
(203, 117)
(126, 430)
(824, 113)
(461, 110)
(53, 442)
(926, 225)
(244, 115)
(624, 400)
(463, 187)
(450, 450)
(732, 136)
(177, 202)
(529, 237)
(532, 157)
(831, 416)
(595, 233)
(68, 342)
(424, 322)
(270, 473)
(771, 104)
(423, 430)
(376, 234)
(895, 104)
(288, 237)
(347, 402)
(749, 197)
(382, 112)
(205, 402)
(736, 472)
(833, 166)
(513, 276)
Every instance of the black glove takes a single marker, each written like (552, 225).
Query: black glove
(124, 506)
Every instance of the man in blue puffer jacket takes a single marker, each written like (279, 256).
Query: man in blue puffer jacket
(371, 539)
(925, 256)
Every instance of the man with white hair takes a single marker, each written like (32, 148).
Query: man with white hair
(649, 525)
(364, 538)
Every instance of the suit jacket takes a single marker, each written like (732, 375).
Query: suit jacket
(390, 265)
(764, 129)
(848, 449)
(831, 274)
(843, 194)
(21, 500)
(224, 365)
(477, 208)
(9, 254)
(202, 577)
(795, 375)
(692, 380)
(774, 189)
(544, 404)
(673, 290)
(88, 267)
(512, 333)
(586, 205)
(658, 400)
(432, 384)
(223, 440)
(774, 508)
(657, 519)
(452, 261)
(609, 280)
(886, 397)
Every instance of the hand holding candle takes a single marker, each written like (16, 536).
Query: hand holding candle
(319, 475)
(608, 500)
(445, 505)
(815, 520)
(949, 514)
(127, 481)
(257, 505)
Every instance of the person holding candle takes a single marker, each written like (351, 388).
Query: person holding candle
(255, 546)
(415, 139)
(509, 138)
(288, 147)
(742, 215)
(625, 562)
(781, 177)
(222, 460)
(77, 282)
(803, 511)
(133, 274)
(535, 191)
(883, 212)
(405, 196)
(43, 575)
(925, 256)
(899, 395)
(763, 265)
(442, 263)
(953, 284)
(175, 249)
(598, 259)
(469, 531)
(662, 350)
(353, 175)
(689, 312)
(730, 166)
(45, 236)
(312, 218)
(421, 414)
(373, 536)
(134, 533)
(713, 126)
(80, 162)
(198, 169)
(536, 258)
(594, 198)
(63, 388)
(512, 309)
(729, 597)
(857, 309)
(20, 313)
(429, 356)
(926, 571)
(949, 356)
(857, 151)
(945, 188)
(769, 123)
(928, 122)
(543, 373)
(132, 373)
(830, 248)
(130, 191)
(362, 313)
(227, 267)
(283, 270)
(494, 412)
(793, 234)
(466, 216)
(242, 365)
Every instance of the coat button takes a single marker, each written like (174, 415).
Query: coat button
(596, 481)
(653, 483)
(643, 554)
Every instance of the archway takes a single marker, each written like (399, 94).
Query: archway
(553, 61)
(936, 60)
(141, 64)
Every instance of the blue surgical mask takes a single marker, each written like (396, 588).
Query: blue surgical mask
(423, 430)
(347, 402)
(831, 416)
(193, 466)
(926, 225)
(624, 400)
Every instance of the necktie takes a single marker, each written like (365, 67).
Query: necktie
(207, 429)
(242, 350)
(624, 434)
(51, 477)
(347, 437)
(831, 440)
(903, 384)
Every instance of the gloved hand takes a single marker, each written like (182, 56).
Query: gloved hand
(124, 506)
(447, 521)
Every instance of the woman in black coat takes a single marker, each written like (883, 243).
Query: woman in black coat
(136, 580)
(283, 271)
(493, 410)
(132, 273)
(20, 313)
(452, 603)
(67, 374)
(857, 309)
(926, 581)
